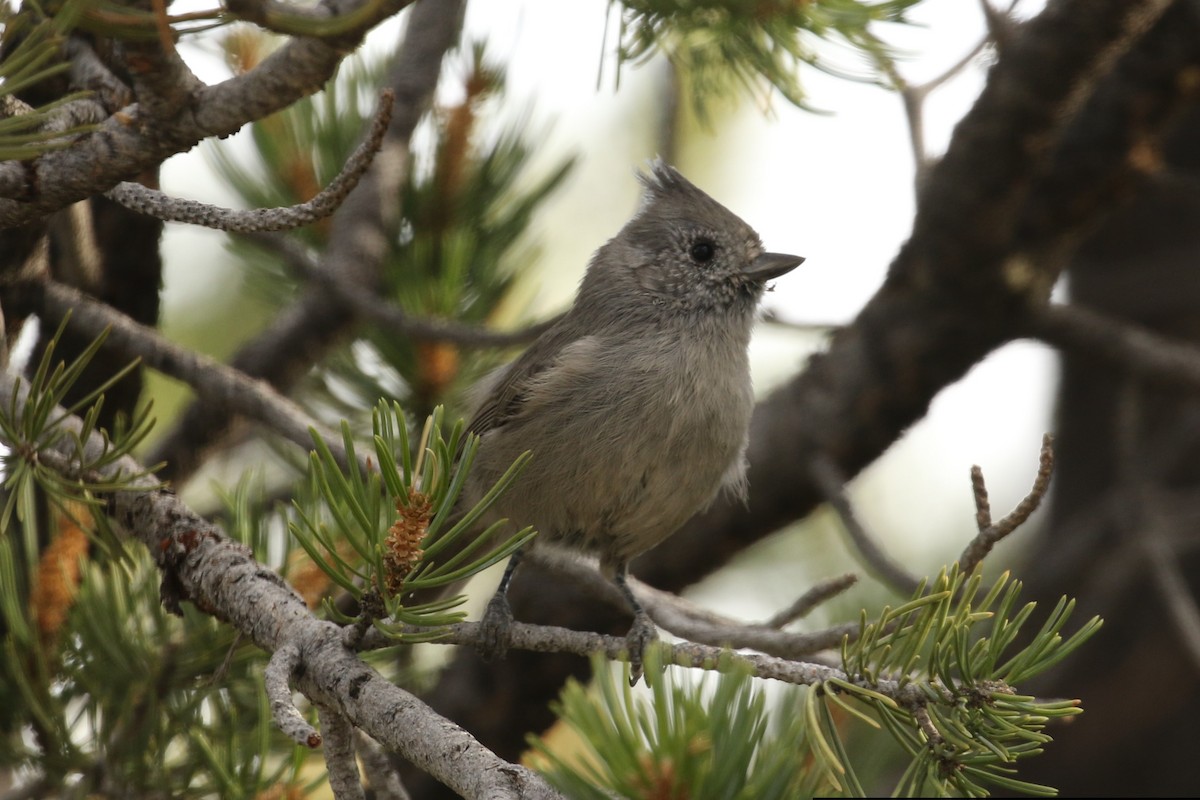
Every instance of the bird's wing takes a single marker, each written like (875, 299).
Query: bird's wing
(510, 387)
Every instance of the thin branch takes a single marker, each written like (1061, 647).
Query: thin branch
(381, 775)
(1145, 522)
(831, 482)
(694, 623)
(913, 98)
(819, 593)
(989, 536)
(983, 506)
(340, 762)
(1124, 344)
(921, 714)
(277, 680)
(1000, 24)
(210, 378)
(88, 72)
(771, 317)
(388, 315)
(156, 204)
(553, 639)
(1173, 587)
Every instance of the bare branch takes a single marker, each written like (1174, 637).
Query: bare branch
(340, 762)
(819, 593)
(1124, 344)
(1173, 587)
(983, 507)
(390, 316)
(1146, 524)
(277, 680)
(690, 621)
(914, 98)
(156, 204)
(210, 378)
(382, 777)
(831, 482)
(358, 240)
(989, 536)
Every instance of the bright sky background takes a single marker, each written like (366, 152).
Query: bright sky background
(836, 188)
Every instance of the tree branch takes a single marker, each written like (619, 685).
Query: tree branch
(1130, 347)
(832, 484)
(992, 533)
(156, 204)
(340, 762)
(136, 139)
(211, 379)
(388, 315)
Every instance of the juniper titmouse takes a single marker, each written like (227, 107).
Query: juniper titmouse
(636, 404)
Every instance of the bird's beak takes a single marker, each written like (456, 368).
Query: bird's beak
(772, 265)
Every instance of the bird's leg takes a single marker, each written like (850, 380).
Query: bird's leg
(643, 631)
(498, 618)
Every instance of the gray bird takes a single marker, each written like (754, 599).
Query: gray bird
(636, 404)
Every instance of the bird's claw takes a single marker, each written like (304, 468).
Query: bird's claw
(494, 629)
(640, 636)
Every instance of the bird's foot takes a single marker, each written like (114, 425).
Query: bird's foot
(642, 634)
(495, 628)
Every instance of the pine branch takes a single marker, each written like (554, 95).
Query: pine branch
(200, 564)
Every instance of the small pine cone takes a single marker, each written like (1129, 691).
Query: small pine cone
(402, 548)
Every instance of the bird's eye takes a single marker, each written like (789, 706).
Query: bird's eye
(703, 251)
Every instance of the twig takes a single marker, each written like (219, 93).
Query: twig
(689, 621)
(1145, 523)
(1173, 586)
(388, 315)
(277, 682)
(127, 144)
(553, 639)
(819, 593)
(1122, 343)
(983, 507)
(831, 482)
(990, 535)
(156, 204)
(210, 378)
(340, 762)
(1000, 24)
(914, 98)
(771, 317)
(921, 714)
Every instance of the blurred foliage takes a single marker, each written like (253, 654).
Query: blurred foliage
(458, 246)
(711, 738)
(727, 47)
